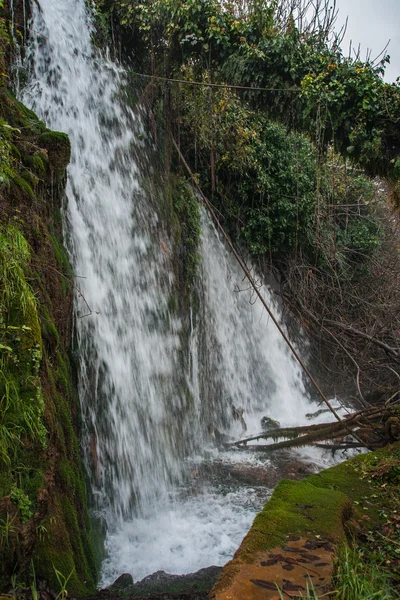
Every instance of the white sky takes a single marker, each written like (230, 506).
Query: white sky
(372, 23)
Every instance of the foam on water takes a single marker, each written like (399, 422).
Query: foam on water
(188, 534)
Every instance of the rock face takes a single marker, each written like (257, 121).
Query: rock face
(124, 583)
(291, 567)
(47, 508)
(165, 583)
(292, 542)
(267, 424)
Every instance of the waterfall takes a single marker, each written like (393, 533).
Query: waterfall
(12, 18)
(144, 421)
(25, 20)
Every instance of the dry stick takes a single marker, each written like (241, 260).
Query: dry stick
(41, 264)
(253, 284)
(370, 338)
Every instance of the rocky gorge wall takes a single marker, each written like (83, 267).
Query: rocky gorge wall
(44, 523)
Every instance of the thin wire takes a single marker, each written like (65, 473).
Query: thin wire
(216, 85)
(186, 81)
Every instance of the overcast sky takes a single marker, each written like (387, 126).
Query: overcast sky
(372, 23)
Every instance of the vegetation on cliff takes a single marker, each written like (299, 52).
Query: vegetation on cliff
(352, 502)
(283, 132)
(45, 531)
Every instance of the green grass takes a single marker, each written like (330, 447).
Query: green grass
(21, 401)
(355, 579)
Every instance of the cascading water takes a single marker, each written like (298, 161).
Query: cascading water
(143, 418)
(127, 351)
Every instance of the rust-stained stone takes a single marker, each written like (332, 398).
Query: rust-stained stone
(291, 567)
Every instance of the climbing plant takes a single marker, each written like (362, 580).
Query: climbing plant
(283, 132)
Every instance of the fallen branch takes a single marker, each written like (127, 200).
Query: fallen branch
(373, 426)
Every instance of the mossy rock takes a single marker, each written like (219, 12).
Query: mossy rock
(36, 163)
(58, 148)
(328, 505)
(297, 507)
(62, 550)
(22, 189)
(19, 115)
(30, 178)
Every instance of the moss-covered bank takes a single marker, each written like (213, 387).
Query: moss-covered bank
(337, 505)
(44, 522)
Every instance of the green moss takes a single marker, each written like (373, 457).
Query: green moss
(23, 186)
(63, 261)
(58, 147)
(63, 374)
(332, 497)
(181, 210)
(66, 475)
(333, 504)
(62, 549)
(172, 303)
(49, 330)
(296, 508)
(31, 335)
(36, 163)
(188, 210)
(36, 379)
(71, 521)
(20, 115)
(32, 480)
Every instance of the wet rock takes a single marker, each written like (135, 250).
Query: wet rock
(267, 424)
(124, 583)
(202, 580)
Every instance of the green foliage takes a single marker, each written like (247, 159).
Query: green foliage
(266, 176)
(344, 98)
(22, 502)
(62, 584)
(7, 531)
(7, 168)
(269, 181)
(351, 232)
(21, 404)
(187, 211)
(362, 111)
(356, 578)
(310, 592)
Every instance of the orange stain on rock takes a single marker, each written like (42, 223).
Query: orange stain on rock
(299, 563)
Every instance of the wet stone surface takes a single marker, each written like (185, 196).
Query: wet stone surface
(164, 585)
(299, 563)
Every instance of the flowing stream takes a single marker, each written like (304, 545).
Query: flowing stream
(148, 414)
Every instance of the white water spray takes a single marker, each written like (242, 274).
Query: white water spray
(142, 416)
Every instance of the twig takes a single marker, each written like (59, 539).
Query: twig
(41, 264)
